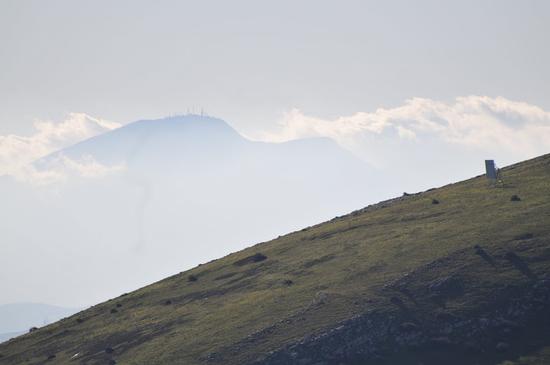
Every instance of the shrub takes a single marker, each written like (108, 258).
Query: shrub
(515, 198)
(397, 301)
(435, 201)
(251, 259)
(523, 236)
(192, 278)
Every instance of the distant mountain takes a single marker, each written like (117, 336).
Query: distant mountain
(18, 318)
(8, 336)
(191, 189)
(455, 275)
(193, 143)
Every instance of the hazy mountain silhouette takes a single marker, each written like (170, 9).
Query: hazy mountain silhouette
(18, 318)
(192, 189)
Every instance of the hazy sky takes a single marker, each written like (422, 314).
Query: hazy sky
(250, 61)
(421, 91)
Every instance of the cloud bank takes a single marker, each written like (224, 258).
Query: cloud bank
(18, 152)
(421, 132)
(474, 123)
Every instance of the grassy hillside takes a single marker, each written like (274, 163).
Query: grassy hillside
(427, 272)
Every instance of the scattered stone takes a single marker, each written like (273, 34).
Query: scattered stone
(79, 320)
(112, 362)
(320, 298)
(114, 311)
(523, 236)
(118, 305)
(168, 302)
(288, 282)
(484, 255)
(32, 329)
(192, 278)
(519, 264)
(51, 357)
(447, 287)
(397, 301)
(109, 350)
(250, 259)
(445, 317)
(435, 201)
(408, 326)
(515, 198)
(441, 341)
(212, 356)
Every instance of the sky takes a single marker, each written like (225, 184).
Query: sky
(250, 62)
(412, 95)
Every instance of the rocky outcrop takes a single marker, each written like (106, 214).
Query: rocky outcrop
(505, 328)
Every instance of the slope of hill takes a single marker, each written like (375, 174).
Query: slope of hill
(455, 275)
(10, 335)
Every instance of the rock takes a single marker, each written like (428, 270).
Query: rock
(523, 236)
(484, 255)
(441, 341)
(320, 298)
(109, 350)
(502, 347)
(32, 329)
(258, 257)
(397, 301)
(447, 287)
(435, 201)
(408, 326)
(515, 198)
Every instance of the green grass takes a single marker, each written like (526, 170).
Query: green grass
(541, 357)
(338, 269)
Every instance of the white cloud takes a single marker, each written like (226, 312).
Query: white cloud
(18, 152)
(471, 123)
